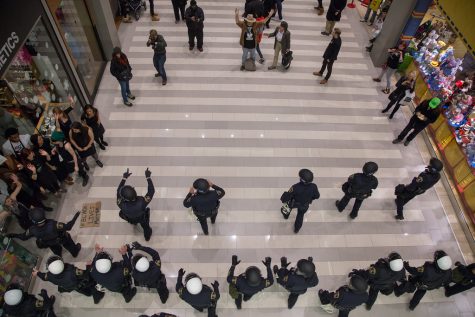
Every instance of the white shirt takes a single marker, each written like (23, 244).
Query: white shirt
(9, 148)
(279, 36)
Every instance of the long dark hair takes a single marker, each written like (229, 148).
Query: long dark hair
(94, 110)
(79, 126)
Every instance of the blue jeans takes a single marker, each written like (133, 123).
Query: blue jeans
(246, 51)
(278, 4)
(124, 89)
(159, 64)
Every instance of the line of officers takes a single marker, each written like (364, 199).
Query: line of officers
(141, 266)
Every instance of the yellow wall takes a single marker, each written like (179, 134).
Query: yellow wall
(461, 15)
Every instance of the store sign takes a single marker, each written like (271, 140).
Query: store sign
(8, 48)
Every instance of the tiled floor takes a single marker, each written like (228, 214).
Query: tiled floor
(250, 133)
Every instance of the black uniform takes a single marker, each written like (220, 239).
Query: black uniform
(244, 290)
(153, 277)
(179, 9)
(300, 196)
(118, 279)
(195, 28)
(423, 279)
(73, 279)
(463, 277)
(418, 125)
(418, 186)
(206, 299)
(137, 212)
(359, 186)
(382, 279)
(30, 306)
(205, 205)
(295, 283)
(344, 299)
(52, 234)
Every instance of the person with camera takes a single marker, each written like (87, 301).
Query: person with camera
(121, 70)
(194, 21)
(158, 44)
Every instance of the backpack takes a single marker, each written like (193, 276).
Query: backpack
(250, 65)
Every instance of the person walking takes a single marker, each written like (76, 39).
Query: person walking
(179, 9)
(278, 6)
(82, 138)
(260, 33)
(121, 70)
(249, 30)
(419, 185)
(333, 15)
(377, 27)
(153, 16)
(372, 10)
(395, 58)
(195, 16)
(91, 118)
(281, 42)
(359, 186)
(159, 45)
(425, 113)
(329, 56)
(300, 196)
(404, 89)
(319, 7)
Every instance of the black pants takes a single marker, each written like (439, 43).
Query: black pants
(198, 33)
(396, 102)
(415, 125)
(320, 5)
(402, 200)
(416, 299)
(301, 210)
(327, 63)
(128, 292)
(178, 10)
(204, 222)
(373, 294)
(162, 290)
(457, 288)
(342, 203)
(152, 13)
(67, 243)
(292, 300)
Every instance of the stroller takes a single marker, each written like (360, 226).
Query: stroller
(132, 7)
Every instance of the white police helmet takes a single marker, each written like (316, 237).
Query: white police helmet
(142, 264)
(444, 263)
(13, 296)
(193, 284)
(56, 267)
(103, 265)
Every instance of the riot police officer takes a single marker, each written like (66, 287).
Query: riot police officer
(114, 276)
(428, 178)
(464, 278)
(298, 279)
(247, 284)
(432, 275)
(69, 278)
(148, 273)
(199, 296)
(50, 233)
(347, 297)
(300, 196)
(383, 276)
(359, 186)
(203, 201)
(134, 209)
(18, 303)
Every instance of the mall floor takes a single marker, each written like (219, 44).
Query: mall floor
(250, 132)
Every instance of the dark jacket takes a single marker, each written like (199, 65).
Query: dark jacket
(301, 194)
(360, 185)
(295, 283)
(430, 114)
(401, 87)
(333, 48)
(199, 18)
(334, 9)
(381, 277)
(244, 288)
(204, 204)
(285, 39)
(116, 279)
(118, 69)
(158, 44)
(256, 8)
(429, 276)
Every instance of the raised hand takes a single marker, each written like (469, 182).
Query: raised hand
(215, 284)
(126, 174)
(148, 173)
(267, 261)
(181, 272)
(235, 260)
(123, 249)
(283, 262)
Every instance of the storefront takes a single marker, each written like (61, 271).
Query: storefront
(443, 58)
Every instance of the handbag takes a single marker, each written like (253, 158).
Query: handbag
(125, 75)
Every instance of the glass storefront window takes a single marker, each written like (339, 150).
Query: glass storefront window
(35, 80)
(74, 22)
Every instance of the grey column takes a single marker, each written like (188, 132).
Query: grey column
(104, 19)
(393, 26)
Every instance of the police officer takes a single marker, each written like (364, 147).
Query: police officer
(134, 209)
(18, 303)
(359, 186)
(69, 278)
(428, 178)
(347, 297)
(247, 284)
(203, 201)
(463, 277)
(432, 275)
(300, 196)
(50, 233)
(383, 276)
(114, 276)
(148, 273)
(298, 279)
(196, 294)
